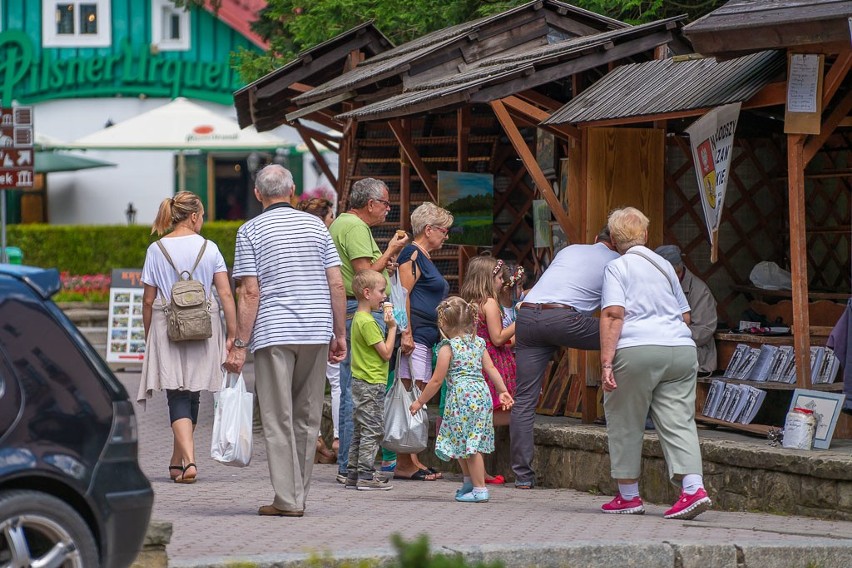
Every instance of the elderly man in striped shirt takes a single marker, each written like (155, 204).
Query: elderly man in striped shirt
(292, 310)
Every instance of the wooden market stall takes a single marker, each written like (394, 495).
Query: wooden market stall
(780, 158)
(466, 98)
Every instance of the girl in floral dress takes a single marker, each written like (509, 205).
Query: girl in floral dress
(467, 429)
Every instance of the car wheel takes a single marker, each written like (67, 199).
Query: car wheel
(37, 529)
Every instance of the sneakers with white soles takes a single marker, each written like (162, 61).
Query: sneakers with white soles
(689, 506)
(620, 506)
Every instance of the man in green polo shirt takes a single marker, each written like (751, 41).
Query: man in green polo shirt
(368, 207)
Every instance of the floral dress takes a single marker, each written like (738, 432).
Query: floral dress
(467, 427)
(502, 357)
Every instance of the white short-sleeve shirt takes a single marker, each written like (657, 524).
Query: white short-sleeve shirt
(653, 303)
(184, 250)
(289, 252)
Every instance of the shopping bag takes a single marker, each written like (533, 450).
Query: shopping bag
(404, 433)
(232, 428)
(399, 298)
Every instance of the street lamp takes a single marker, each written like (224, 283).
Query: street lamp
(130, 213)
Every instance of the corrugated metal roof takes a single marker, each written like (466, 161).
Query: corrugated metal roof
(507, 66)
(671, 85)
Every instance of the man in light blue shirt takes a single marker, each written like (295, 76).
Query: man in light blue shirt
(557, 312)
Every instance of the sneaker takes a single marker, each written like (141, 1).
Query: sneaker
(473, 497)
(351, 483)
(620, 506)
(341, 478)
(375, 484)
(689, 506)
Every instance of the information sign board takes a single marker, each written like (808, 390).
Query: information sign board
(16, 147)
(125, 331)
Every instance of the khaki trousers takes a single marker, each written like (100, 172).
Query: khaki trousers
(290, 384)
(662, 380)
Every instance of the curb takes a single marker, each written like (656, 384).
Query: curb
(802, 551)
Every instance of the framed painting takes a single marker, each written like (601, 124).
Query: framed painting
(541, 223)
(470, 198)
(545, 152)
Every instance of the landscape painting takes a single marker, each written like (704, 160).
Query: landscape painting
(470, 198)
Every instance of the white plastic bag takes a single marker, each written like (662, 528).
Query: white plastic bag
(404, 433)
(770, 276)
(399, 298)
(232, 416)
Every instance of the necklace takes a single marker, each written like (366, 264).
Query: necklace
(423, 250)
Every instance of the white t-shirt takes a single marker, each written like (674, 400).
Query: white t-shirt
(184, 250)
(288, 251)
(653, 306)
(574, 278)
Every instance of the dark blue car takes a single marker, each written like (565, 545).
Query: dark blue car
(71, 491)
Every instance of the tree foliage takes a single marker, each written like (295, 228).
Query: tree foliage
(291, 26)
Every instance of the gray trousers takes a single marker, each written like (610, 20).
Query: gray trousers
(290, 385)
(369, 419)
(539, 333)
(662, 380)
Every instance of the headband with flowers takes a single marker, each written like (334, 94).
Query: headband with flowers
(497, 268)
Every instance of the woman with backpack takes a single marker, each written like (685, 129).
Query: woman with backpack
(184, 343)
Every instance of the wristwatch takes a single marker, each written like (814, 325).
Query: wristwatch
(240, 344)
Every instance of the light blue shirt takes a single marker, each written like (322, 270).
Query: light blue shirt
(574, 278)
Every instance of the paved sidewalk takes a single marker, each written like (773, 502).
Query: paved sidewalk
(215, 521)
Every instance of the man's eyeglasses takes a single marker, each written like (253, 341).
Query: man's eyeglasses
(442, 229)
(383, 202)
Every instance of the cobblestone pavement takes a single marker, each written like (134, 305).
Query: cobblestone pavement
(215, 520)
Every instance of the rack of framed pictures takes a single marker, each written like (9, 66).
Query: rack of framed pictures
(754, 365)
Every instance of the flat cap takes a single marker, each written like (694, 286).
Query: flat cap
(671, 253)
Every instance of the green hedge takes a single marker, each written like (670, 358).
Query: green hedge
(83, 249)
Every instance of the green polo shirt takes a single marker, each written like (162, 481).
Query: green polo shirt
(367, 364)
(354, 239)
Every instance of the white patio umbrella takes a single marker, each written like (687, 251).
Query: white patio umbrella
(179, 125)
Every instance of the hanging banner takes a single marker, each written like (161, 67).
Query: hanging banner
(712, 139)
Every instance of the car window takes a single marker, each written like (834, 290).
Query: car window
(55, 377)
(10, 397)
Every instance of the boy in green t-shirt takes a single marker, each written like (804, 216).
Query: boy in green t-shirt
(371, 351)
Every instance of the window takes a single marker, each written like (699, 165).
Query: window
(76, 23)
(169, 26)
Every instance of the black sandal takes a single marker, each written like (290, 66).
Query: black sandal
(183, 479)
(178, 468)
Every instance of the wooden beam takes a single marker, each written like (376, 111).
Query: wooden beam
(403, 136)
(325, 103)
(537, 115)
(324, 137)
(463, 127)
(799, 258)
(309, 142)
(827, 129)
(533, 169)
(835, 76)
(543, 101)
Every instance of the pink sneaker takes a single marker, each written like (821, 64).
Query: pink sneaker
(689, 506)
(619, 506)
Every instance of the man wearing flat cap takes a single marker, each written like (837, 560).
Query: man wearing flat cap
(703, 309)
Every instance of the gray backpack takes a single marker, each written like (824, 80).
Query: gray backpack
(187, 315)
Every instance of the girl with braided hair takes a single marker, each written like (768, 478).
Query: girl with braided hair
(467, 429)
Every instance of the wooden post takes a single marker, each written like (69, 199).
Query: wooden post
(404, 191)
(463, 127)
(799, 259)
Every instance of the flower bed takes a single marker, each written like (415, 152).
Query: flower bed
(83, 288)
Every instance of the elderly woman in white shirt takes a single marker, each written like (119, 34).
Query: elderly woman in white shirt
(649, 362)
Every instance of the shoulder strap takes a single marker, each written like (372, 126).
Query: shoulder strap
(657, 266)
(198, 258)
(168, 258)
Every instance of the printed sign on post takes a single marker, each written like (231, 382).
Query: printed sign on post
(712, 139)
(125, 330)
(16, 147)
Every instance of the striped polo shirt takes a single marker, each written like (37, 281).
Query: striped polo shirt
(288, 251)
